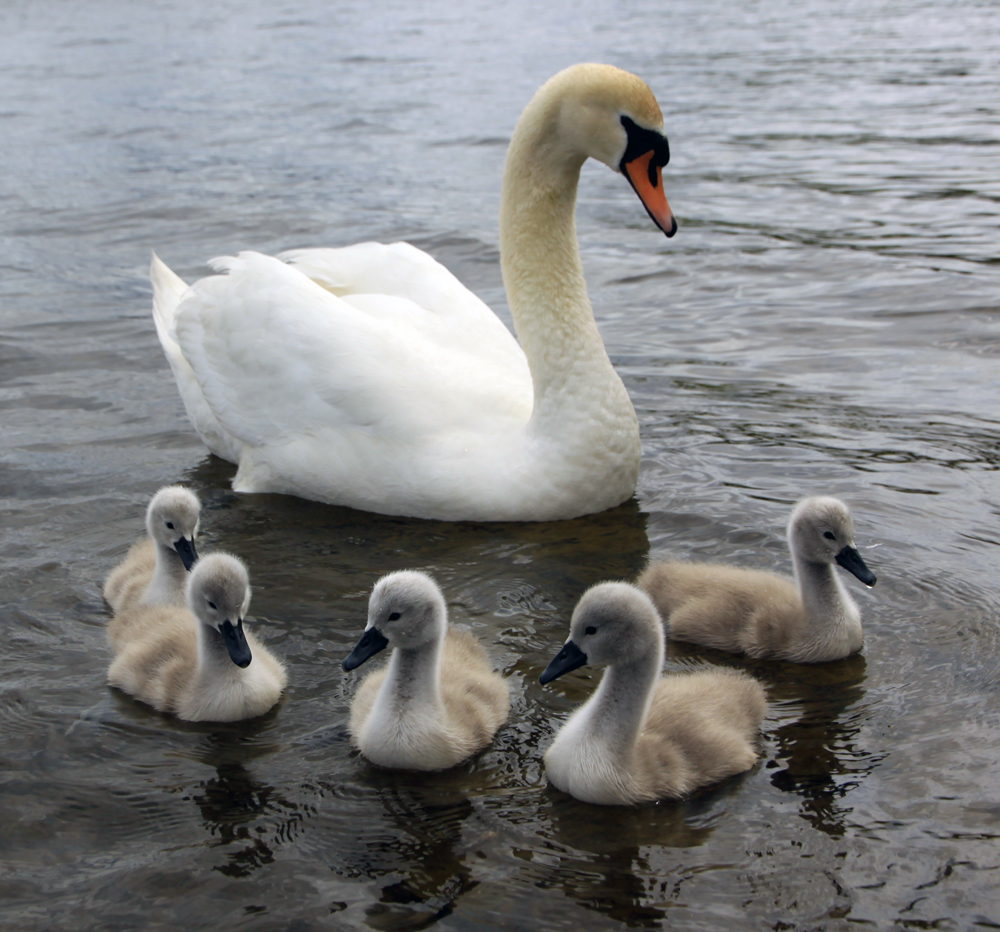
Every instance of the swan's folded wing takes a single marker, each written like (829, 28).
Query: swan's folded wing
(402, 271)
(276, 354)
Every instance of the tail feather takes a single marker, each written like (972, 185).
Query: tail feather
(169, 290)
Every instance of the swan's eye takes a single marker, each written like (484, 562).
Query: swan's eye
(394, 616)
(829, 535)
(590, 630)
(170, 524)
(211, 604)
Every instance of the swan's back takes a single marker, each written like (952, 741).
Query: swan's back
(128, 581)
(156, 656)
(726, 607)
(701, 728)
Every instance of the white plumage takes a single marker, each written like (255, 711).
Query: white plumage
(369, 376)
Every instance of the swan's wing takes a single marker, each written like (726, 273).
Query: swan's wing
(402, 271)
(275, 354)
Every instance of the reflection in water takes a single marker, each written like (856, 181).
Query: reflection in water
(571, 554)
(244, 816)
(599, 856)
(816, 755)
(414, 846)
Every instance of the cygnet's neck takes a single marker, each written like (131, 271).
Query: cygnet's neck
(824, 598)
(543, 274)
(618, 709)
(412, 683)
(169, 578)
(214, 661)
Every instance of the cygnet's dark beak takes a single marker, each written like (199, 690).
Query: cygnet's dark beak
(569, 658)
(850, 560)
(236, 642)
(187, 553)
(372, 641)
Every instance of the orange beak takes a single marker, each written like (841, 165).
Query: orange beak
(647, 180)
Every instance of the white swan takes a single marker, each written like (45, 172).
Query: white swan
(198, 662)
(807, 620)
(641, 736)
(438, 701)
(154, 571)
(370, 377)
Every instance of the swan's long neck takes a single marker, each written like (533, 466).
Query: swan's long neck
(169, 577)
(543, 274)
(618, 709)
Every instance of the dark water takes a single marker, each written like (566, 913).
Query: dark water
(827, 320)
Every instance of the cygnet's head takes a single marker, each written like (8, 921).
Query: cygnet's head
(613, 623)
(821, 530)
(611, 115)
(218, 592)
(406, 609)
(172, 521)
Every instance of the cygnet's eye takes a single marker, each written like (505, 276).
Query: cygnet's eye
(590, 630)
(394, 616)
(170, 524)
(211, 604)
(829, 535)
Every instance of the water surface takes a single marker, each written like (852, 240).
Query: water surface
(825, 321)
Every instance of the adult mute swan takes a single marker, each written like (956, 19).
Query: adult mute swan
(154, 571)
(807, 620)
(369, 376)
(198, 662)
(642, 736)
(438, 701)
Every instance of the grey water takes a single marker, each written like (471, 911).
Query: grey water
(826, 320)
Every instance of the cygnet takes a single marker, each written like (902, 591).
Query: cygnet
(154, 571)
(198, 662)
(640, 736)
(438, 701)
(807, 620)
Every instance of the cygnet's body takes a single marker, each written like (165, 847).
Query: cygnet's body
(198, 662)
(438, 701)
(154, 571)
(640, 736)
(807, 620)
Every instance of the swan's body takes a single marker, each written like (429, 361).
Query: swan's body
(197, 662)
(438, 701)
(640, 736)
(369, 376)
(154, 571)
(807, 620)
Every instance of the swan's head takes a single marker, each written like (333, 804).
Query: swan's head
(172, 521)
(605, 113)
(613, 623)
(218, 592)
(821, 530)
(406, 609)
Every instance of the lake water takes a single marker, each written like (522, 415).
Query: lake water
(826, 320)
